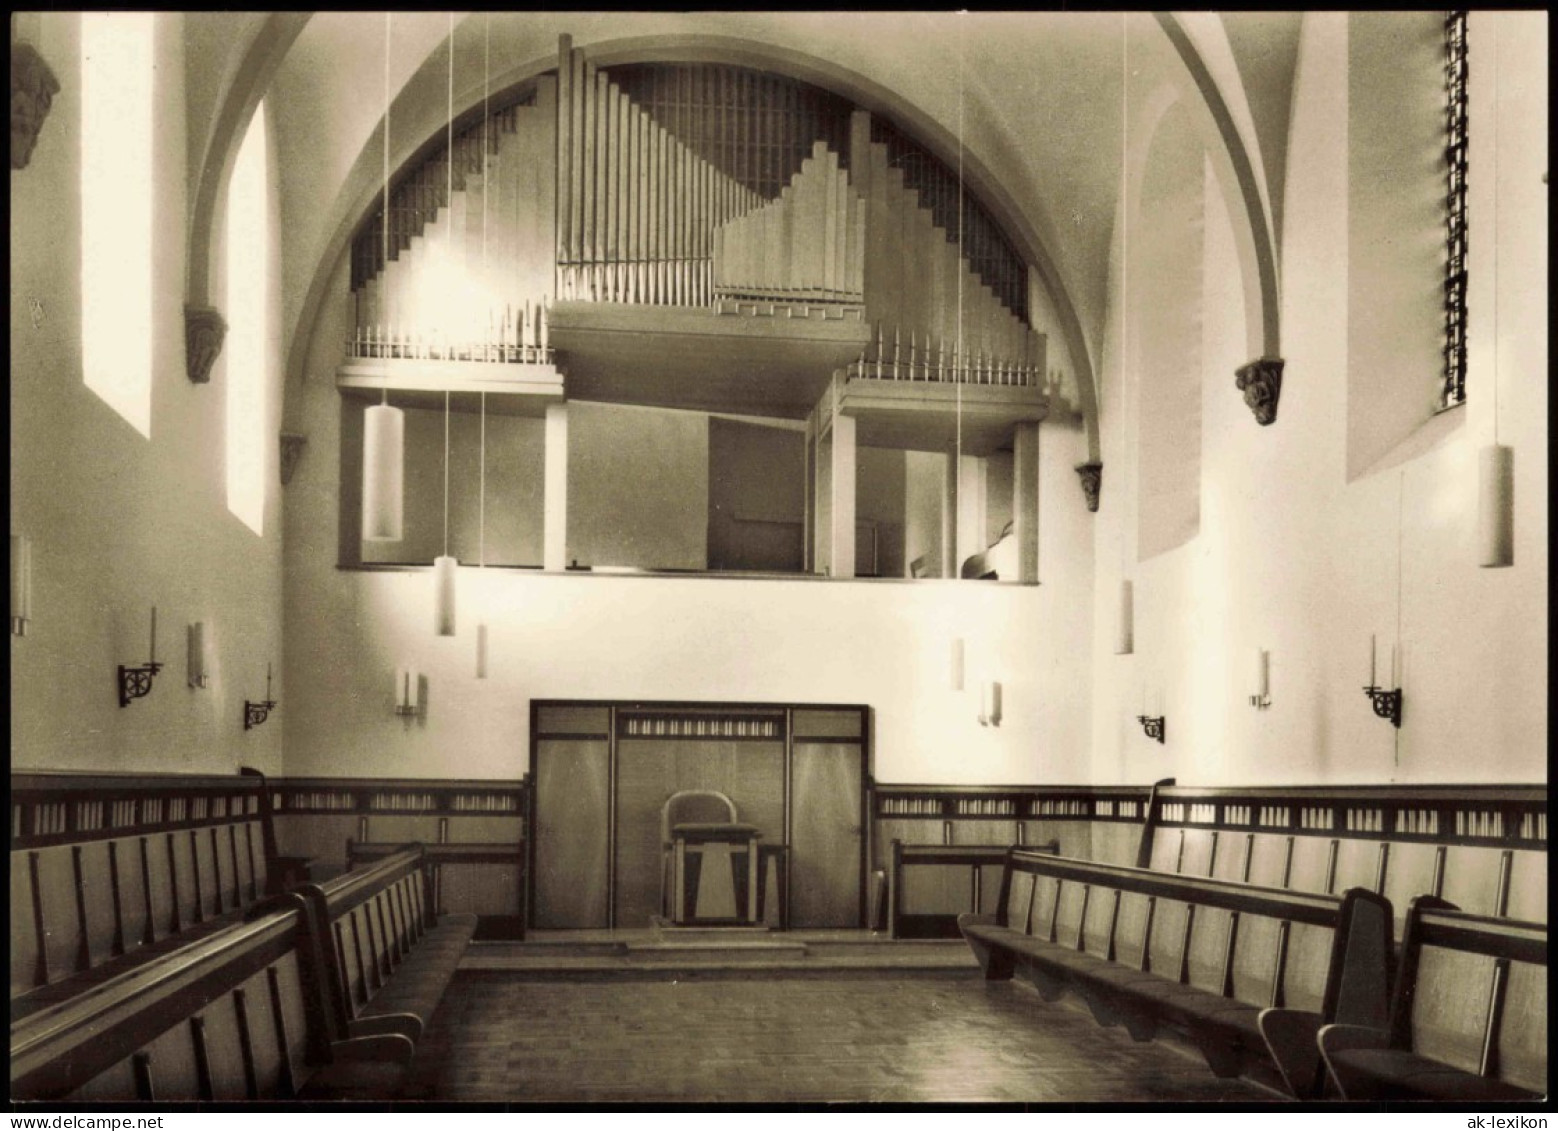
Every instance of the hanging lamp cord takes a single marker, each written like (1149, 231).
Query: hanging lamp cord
(385, 219)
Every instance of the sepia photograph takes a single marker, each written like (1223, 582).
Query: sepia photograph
(621, 560)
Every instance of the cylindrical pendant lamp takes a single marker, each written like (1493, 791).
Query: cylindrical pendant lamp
(957, 666)
(481, 651)
(21, 584)
(1496, 506)
(383, 473)
(444, 571)
(1125, 623)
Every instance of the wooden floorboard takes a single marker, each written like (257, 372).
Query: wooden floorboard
(863, 1039)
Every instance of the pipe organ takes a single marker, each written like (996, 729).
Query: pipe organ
(701, 187)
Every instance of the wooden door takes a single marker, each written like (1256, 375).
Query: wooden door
(572, 822)
(827, 863)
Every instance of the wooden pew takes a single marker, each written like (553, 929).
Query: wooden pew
(477, 875)
(393, 957)
(1468, 1015)
(110, 870)
(1150, 950)
(232, 1016)
(907, 915)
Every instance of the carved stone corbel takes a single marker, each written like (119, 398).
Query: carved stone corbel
(1261, 383)
(292, 444)
(33, 87)
(1092, 474)
(204, 331)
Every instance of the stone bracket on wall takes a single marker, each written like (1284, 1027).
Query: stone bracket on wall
(1261, 383)
(204, 331)
(292, 444)
(1092, 474)
(33, 87)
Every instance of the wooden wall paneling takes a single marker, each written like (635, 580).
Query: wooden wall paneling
(827, 837)
(1528, 892)
(224, 1049)
(1311, 860)
(1214, 926)
(1109, 842)
(1357, 864)
(26, 948)
(114, 1085)
(56, 879)
(403, 828)
(572, 786)
(1471, 878)
(485, 829)
(1411, 873)
(486, 889)
(648, 771)
(172, 1056)
(321, 837)
(1450, 1006)
(1522, 1037)
(99, 897)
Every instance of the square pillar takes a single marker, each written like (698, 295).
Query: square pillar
(1025, 500)
(554, 520)
(841, 464)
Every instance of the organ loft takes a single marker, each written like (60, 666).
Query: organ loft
(864, 558)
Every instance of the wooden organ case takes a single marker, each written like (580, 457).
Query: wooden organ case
(702, 237)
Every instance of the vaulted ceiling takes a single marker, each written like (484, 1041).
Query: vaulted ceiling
(1031, 104)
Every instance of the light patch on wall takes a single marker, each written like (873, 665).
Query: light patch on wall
(116, 210)
(248, 272)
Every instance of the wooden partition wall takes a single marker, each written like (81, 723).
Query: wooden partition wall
(316, 817)
(1483, 847)
(603, 773)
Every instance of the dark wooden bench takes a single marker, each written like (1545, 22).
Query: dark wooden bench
(1468, 1015)
(108, 871)
(393, 957)
(232, 1016)
(918, 904)
(468, 875)
(1154, 951)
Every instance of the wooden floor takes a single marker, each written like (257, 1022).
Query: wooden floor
(763, 1037)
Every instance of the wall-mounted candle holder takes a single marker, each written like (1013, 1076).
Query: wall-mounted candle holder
(256, 713)
(135, 682)
(1260, 690)
(1152, 726)
(1387, 703)
(406, 681)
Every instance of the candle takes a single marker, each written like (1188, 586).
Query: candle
(267, 680)
(1371, 660)
(1262, 672)
(154, 634)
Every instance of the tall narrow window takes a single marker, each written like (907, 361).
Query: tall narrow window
(248, 273)
(116, 210)
(1455, 198)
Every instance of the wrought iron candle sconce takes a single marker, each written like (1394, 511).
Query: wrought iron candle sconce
(1152, 726)
(135, 682)
(256, 713)
(1387, 703)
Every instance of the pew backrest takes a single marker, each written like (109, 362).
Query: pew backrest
(1471, 992)
(371, 917)
(225, 1018)
(1196, 930)
(104, 864)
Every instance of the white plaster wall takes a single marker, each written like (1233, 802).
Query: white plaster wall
(1292, 556)
(119, 522)
(882, 643)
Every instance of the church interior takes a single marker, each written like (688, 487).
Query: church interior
(650, 557)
